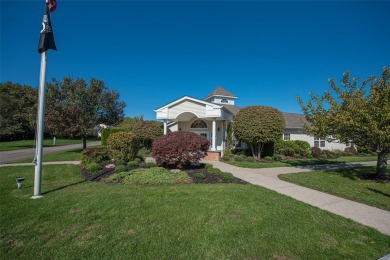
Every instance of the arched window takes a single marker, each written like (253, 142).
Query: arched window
(199, 124)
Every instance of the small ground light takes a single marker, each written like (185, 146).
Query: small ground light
(19, 181)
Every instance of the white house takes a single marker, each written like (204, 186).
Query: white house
(209, 118)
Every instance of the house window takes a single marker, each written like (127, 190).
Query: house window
(199, 124)
(350, 144)
(224, 100)
(286, 137)
(318, 142)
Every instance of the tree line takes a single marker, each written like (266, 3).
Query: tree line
(73, 108)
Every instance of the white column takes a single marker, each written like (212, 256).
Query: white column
(213, 146)
(165, 127)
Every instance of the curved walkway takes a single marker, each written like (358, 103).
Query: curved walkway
(268, 178)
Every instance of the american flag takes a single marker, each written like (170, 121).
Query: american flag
(52, 4)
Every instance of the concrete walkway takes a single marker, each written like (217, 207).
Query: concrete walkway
(9, 156)
(268, 178)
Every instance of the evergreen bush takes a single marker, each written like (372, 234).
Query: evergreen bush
(123, 146)
(94, 155)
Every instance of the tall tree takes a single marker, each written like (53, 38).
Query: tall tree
(74, 107)
(258, 125)
(360, 113)
(18, 106)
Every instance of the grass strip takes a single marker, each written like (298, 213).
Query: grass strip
(346, 183)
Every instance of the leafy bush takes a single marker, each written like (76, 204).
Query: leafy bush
(297, 156)
(250, 159)
(315, 152)
(178, 149)
(226, 176)
(120, 162)
(120, 168)
(330, 154)
(199, 175)
(289, 148)
(155, 176)
(134, 162)
(278, 157)
(309, 156)
(123, 146)
(268, 158)
(238, 159)
(227, 152)
(93, 168)
(108, 131)
(226, 158)
(350, 150)
(94, 155)
(151, 165)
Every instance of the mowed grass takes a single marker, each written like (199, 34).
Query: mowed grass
(77, 219)
(25, 144)
(346, 183)
(304, 162)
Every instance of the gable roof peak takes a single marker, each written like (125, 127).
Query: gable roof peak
(220, 91)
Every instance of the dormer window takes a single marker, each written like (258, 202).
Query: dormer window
(224, 100)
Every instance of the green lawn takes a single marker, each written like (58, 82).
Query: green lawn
(77, 219)
(304, 162)
(24, 144)
(346, 184)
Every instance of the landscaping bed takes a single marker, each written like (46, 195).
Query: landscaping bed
(197, 173)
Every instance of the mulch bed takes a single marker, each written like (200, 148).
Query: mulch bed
(209, 178)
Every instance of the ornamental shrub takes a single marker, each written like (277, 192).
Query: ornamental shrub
(350, 150)
(94, 155)
(250, 159)
(120, 168)
(134, 162)
(93, 168)
(268, 158)
(178, 149)
(200, 175)
(315, 152)
(123, 146)
(278, 157)
(289, 148)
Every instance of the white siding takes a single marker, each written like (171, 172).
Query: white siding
(296, 134)
(187, 106)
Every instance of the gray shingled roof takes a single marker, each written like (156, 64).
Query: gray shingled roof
(220, 91)
(292, 120)
(295, 120)
(232, 109)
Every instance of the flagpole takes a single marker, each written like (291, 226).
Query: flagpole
(40, 127)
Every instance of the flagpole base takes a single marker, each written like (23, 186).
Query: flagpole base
(36, 197)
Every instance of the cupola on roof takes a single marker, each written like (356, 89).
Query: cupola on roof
(220, 91)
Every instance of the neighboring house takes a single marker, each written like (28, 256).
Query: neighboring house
(210, 117)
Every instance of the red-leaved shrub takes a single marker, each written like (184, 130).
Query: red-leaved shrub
(178, 149)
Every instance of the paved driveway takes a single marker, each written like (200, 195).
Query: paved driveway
(9, 156)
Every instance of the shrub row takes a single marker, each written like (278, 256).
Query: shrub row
(292, 148)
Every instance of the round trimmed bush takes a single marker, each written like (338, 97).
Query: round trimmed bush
(123, 146)
(178, 149)
(250, 159)
(268, 158)
(120, 168)
(316, 152)
(94, 155)
(93, 168)
(238, 159)
(278, 157)
(350, 150)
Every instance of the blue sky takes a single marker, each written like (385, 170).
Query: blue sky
(154, 52)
